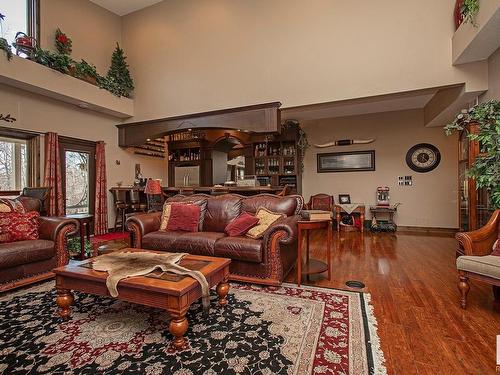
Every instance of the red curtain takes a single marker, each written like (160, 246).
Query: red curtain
(101, 191)
(53, 174)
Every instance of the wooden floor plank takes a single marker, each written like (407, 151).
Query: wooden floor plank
(413, 283)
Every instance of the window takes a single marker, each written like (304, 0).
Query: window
(13, 164)
(20, 15)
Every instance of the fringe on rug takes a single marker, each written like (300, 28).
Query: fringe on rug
(377, 353)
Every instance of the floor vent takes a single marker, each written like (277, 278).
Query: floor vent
(355, 284)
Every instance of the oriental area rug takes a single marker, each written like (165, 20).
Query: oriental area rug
(262, 330)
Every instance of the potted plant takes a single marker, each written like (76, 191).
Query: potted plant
(63, 43)
(486, 168)
(86, 72)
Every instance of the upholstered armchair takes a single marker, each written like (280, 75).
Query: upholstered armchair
(475, 260)
(322, 202)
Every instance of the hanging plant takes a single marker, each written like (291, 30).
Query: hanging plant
(63, 43)
(486, 168)
(469, 10)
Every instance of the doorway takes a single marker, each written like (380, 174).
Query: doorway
(78, 175)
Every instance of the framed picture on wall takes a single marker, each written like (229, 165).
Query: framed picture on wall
(350, 161)
(344, 199)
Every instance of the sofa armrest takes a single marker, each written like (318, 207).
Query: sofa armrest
(57, 229)
(142, 224)
(286, 228)
(480, 242)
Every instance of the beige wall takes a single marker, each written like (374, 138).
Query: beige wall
(94, 30)
(205, 55)
(430, 202)
(37, 113)
(494, 78)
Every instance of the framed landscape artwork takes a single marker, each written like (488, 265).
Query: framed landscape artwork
(351, 161)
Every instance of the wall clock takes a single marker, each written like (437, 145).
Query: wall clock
(423, 157)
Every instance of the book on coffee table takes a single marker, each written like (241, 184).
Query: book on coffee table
(316, 215)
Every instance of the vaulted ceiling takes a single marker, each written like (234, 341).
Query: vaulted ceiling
(123, 7)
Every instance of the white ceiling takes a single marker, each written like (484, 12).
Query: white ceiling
(378, 104)
(123, 7)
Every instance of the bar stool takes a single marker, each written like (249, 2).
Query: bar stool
(121, 206)
(135, 201)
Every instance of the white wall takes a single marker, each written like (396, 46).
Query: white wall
(430, 202)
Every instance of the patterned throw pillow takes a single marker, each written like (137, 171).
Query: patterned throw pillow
(167, 209)
(11, 205)
(15, 226)
(266, 219)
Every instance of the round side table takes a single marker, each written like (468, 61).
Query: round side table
(313, 266)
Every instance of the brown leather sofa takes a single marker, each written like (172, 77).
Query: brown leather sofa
(264, 261)
(25, 262)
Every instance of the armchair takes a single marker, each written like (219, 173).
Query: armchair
(474, 259)
(321, 201)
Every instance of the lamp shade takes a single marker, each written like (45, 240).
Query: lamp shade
(152, 187)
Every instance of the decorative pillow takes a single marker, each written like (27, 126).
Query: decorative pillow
(15, 226)
(184, 217)
(266, 219)
(11, 205)
(165, 216)
(241, 225)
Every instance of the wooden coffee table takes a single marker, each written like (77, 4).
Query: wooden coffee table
(173, 293)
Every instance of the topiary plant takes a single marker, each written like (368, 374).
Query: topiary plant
(486, 168)
(118, 79)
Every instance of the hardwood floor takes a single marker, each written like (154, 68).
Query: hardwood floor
(412, 280)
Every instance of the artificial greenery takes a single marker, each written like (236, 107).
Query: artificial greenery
(118, 79)
(53, 60)
(74, 247)
(486, 168)
(469, 11)
(84, 69)
(63, 43)
(4, 45)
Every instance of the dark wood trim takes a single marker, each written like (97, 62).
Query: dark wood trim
(261, 118)
(77, 141)
(18, 133)
(9, 193)
(449, 232)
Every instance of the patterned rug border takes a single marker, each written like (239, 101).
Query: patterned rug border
(376, 358)
(375, 355)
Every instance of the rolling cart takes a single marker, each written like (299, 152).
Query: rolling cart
(387, 225)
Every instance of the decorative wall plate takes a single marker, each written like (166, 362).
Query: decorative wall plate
(423, 157)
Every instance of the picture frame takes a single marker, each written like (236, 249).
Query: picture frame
(350, 161)
(344, 199)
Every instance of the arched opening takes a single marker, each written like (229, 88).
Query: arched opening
(228, 160)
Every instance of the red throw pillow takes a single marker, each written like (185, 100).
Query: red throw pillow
(241, 225)
(15, 226)
(184, 217)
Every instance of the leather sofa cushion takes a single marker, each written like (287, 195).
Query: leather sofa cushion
(23, 252)
(283, 205)
(239, 248)
(197, 243)
(221, 210)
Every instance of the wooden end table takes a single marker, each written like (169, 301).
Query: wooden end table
(360, 210)
(84, 220)
(173, 293)
(313, 266)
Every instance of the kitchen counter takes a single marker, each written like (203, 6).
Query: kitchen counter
(243, 190)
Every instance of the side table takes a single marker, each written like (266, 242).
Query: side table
(84, 220)
(313, 266)
(360, 210)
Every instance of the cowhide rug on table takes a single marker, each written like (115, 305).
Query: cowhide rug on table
(262, 330)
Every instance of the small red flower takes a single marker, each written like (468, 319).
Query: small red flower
(62, 39)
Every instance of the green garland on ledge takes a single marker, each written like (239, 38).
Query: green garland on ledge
(486, 168)
(470, 9)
